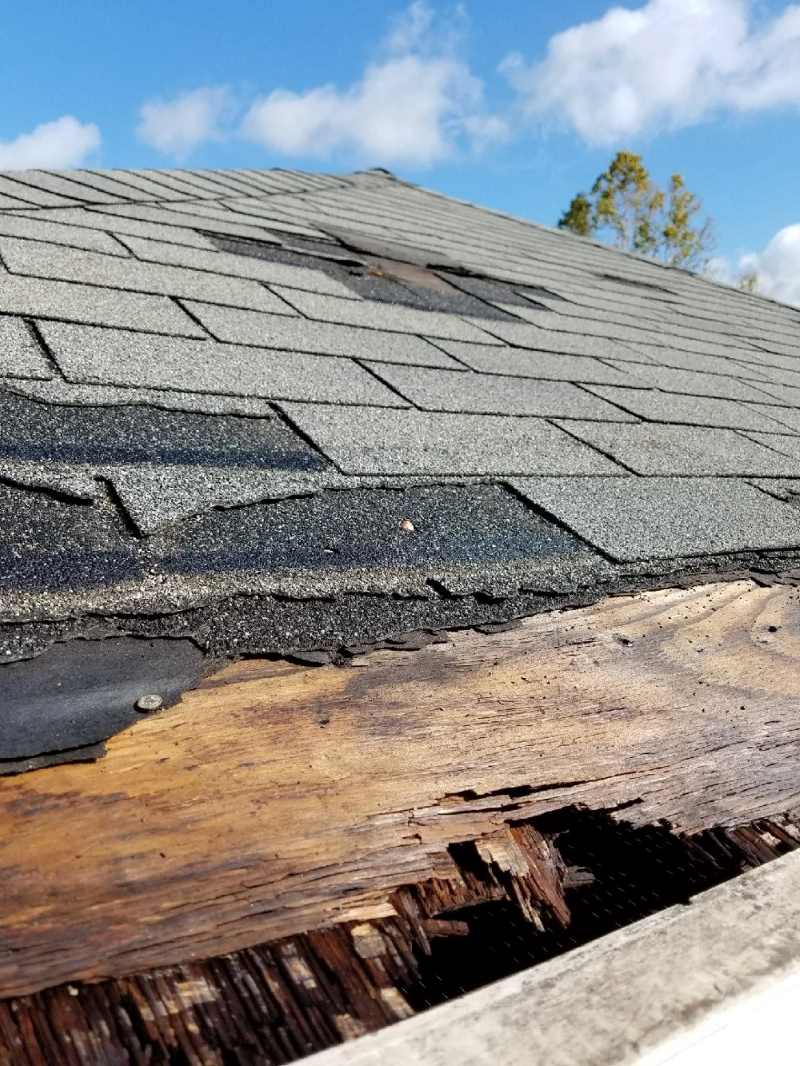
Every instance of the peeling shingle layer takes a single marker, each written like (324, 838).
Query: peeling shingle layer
(222, 392)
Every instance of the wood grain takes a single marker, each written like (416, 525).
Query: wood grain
(277, 799)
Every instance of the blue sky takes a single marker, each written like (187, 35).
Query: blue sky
(433, 91)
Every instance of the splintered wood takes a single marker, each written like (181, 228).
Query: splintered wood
(278, 799)
(514, 901)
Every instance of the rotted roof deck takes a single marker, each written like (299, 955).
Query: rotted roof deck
(520, 510)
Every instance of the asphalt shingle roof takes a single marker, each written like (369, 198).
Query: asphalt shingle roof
(281, 411)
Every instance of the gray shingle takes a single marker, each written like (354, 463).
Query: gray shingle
(787, 417)
(60, 185)
(652, 449)
(786, 445)
(383, 316)
(240, 266)
(416, 442)
(42, 229)
(53, 261)
(785, 394)
(547, 366)
(114, 357)
(11, 202)
(692, 383)
(38, 197)
(446, 390)
(177, 180)
(322, 338)
(659, 406)
(147, 187)
(193, 218)
(91, 220)
(105, 182)
(57, 391)
(647, 518)
(89, 303)
(703, 362)
(786, 489)
(525, 335)
(20, 356)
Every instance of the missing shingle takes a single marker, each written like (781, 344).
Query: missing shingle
(384, 274)
(296, 252)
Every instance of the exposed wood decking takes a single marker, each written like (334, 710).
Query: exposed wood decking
(278, 799)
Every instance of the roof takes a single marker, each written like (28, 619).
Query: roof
(283, 413)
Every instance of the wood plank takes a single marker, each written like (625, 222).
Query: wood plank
(277, 799)
(274, 1003)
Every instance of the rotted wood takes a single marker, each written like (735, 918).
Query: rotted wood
(517, 900)
(278, 799)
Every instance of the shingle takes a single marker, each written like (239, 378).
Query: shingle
(225, 180)
(42, 229)
(447, 390)
(659, 406)
(58, 391)
(164, 464)
(53, 261)
(788, 418)
(786, 489)
(191, 219)
(786, 445)
(383, 316)
(416, 442)
(687, 358)
(89, 303)
(105, 182)
(11, 202)
(139, 188)
(524, 335)
(653, 449)
(692, 383)
(784, 394)
(591, 323)
(60, 185)
(85, 219)
(20, 356)
(38, 197)
(323, 338)
(464, 533)
(651, 518)
(547, 366)
(240, 266)
(179, 181)
(113, 357)
(48, 544)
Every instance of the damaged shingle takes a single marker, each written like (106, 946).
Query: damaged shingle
(278, 413)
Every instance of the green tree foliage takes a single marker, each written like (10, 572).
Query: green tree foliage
(627, 209)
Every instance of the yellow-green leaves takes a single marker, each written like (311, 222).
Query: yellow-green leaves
(627, 209)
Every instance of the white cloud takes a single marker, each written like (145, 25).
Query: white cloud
(177, 126)
(667, 64)
(417, 104)
(411, 29)
(409, 109)
(776, 267)
(63, 143)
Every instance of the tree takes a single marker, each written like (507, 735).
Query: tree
(627, 209)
